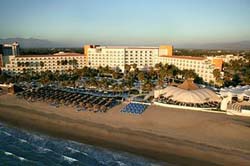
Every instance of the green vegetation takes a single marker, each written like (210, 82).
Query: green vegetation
(103, 77)
(237, 72)
(204, 52)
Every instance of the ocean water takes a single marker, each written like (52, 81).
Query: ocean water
(20, 147)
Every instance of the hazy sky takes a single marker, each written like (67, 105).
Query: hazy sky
(135, 22)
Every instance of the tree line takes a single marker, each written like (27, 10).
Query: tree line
(48, 51)
(235, 73)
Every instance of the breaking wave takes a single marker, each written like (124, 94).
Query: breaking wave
(19, 147)
(11, 154)
(69, 159)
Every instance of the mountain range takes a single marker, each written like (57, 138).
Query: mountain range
(32, 42)
(41, 43)
(241, 45)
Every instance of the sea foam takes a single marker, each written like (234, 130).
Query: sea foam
(11, 154)
(6, 133)
(44, 150)
(22, 140)
(120, 163)
(8, 154)
(73, 150)
(69, 159)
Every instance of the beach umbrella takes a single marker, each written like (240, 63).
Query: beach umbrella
(97, 106)
(103, 108)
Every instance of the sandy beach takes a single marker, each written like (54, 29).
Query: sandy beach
(175, 136)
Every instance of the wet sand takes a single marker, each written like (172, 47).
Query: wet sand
(175, 136)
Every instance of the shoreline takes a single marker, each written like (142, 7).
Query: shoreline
(160, 146)
(66, 134)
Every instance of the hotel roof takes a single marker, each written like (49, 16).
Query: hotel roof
(127, 47)
(186, 57)
(188, 85)
(52, 55)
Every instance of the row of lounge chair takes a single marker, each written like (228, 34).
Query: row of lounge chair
(96, 92)
(57, 97)
(134, 108)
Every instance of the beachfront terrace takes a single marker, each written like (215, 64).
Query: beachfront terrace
(169, 100)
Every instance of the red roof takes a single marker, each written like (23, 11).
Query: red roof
(186, 57)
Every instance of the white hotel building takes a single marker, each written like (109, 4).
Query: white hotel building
(57, 62)
(145, 57)
(114, 57)
(119, 56)
(202, 66)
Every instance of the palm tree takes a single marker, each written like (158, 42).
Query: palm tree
(127, 68)
(220, 82)
(141, 76)
(216, 74)
(115, 74)
(158, 66)
(151, 73)
(160, 82)
(134, 66)
(57, 75)
(74, 63)
(188, 74)
(148, 86)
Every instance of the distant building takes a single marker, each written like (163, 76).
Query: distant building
(229, 57)
(1, 56)
(1, 60)
(9, 49)
(1, 49)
